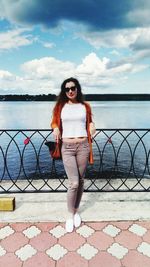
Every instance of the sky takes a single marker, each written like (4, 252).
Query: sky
(105, 44)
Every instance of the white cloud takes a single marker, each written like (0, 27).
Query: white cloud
(48, 68)
(15, 38)
(138, 38)
(48, 45)
(10, 82)
(140, 16)
(92, 65)
(112, 39)
(139, 68)
(6, 75)
(45, 75)
(115, 53)
(142, 41)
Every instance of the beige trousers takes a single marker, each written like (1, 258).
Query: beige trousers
(75, 158)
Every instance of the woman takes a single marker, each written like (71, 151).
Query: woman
(72, 122)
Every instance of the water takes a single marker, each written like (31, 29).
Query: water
(107, 115)
(122, 114)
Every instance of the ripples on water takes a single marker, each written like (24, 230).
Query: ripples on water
(37, 115)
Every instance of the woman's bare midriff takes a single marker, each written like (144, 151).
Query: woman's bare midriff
(74, 140)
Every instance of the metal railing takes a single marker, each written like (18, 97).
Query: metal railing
(121, 162)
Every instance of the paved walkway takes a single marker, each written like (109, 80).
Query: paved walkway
(93, 244)
(115, 232)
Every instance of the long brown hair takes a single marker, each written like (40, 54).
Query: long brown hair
(62, 97)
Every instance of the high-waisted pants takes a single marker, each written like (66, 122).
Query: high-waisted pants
(75, 158)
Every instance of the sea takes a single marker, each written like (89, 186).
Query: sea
(106, 114)
(128, 147)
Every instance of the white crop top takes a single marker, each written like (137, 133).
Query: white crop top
(73, 118)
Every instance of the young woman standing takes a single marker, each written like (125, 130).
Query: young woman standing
(72, 122)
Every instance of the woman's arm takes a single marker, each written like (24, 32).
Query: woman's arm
(55, 125)
(92, 128)
(56, 133)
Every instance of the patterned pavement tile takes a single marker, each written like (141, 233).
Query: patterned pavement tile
(135, 259)
(58, 231)
(100, 240)
(146, 237)
(104, 259)
(32, 231)
(93, 244)
(144, 248)
(2, 251)
(72, 259)
(85, 231)
(6, 231)
(117, 250)
(40, 259)
(128, 240)
(3, 224)
(137, 229)
(10, 260)
(97, 226)
(43, 241)
(87, 251)
(145, 224)
(71, 241)
(25, 252)
(122, 225)
(19, 227)
(14, 242)
(47, 226)
(56, 252)
(111, 230)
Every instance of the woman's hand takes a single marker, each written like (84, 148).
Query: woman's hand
(92, 129)
(56, 134)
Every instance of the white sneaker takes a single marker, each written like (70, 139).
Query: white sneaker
(69, 225)
(77, 220)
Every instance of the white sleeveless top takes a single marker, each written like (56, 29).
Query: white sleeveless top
(73, 118)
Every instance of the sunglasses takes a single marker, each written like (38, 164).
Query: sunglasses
(72, 88)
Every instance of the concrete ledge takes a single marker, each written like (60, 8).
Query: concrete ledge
(38, 207)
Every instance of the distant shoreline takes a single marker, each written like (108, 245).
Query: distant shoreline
(88, 97)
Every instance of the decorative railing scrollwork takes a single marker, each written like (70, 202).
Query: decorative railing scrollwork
(121, 162)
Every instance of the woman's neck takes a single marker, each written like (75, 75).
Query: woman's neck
(72, 101)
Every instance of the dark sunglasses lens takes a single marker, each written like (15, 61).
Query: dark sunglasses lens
(67, 89)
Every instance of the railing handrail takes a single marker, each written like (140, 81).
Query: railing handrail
(98, 129)
(120, 157)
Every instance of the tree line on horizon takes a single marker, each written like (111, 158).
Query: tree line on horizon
(88, 97)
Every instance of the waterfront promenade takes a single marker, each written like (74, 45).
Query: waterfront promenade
(115, 231)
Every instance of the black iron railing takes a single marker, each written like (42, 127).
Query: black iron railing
(121, 162)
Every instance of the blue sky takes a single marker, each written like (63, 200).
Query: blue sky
(105, 44)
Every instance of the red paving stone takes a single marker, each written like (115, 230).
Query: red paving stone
(73, 249)
(128, 240)
(104, 259)
(10, 260)
(41, 260)
(135, 259)
(100, 240)
(144, 224)
(3, 224)
(14, 242)
(47, 226)
(71, 241)
(122, 225)
(146, 237)
(97, 225)
(19, 227)
(72, 259)
(43, 241)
